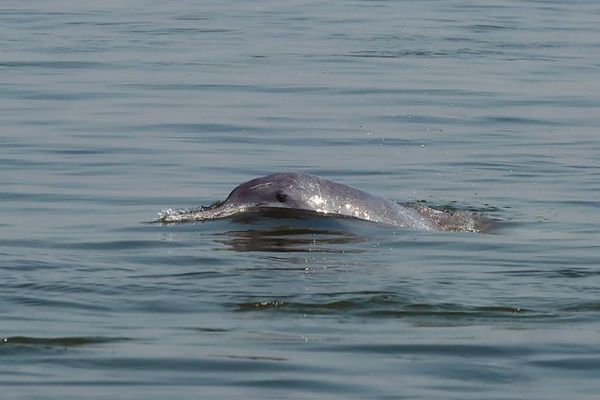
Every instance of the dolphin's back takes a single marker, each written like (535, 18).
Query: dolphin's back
(341, 199)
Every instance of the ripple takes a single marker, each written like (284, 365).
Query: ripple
(382, 305)
(23, 345)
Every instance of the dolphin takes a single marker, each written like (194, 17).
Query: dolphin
(306, 192)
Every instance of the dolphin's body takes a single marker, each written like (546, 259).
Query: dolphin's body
(300, 191)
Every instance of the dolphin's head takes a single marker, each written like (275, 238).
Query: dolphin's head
(285, 190)
(278, 191)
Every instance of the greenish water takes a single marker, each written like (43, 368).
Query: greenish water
(113, 111)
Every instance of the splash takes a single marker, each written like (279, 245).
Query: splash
(169, 215)
(455, 219)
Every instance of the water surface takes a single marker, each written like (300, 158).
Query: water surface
(113, 111)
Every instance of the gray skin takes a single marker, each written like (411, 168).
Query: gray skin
(300, 191)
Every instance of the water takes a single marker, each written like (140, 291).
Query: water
(112, 111)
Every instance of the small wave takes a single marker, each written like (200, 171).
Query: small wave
(381, 305)
(56, 342)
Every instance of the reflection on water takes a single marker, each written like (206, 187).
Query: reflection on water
(275, 230)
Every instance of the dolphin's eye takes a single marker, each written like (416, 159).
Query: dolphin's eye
(280, 196)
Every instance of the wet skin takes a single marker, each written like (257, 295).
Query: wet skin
(300, 191)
